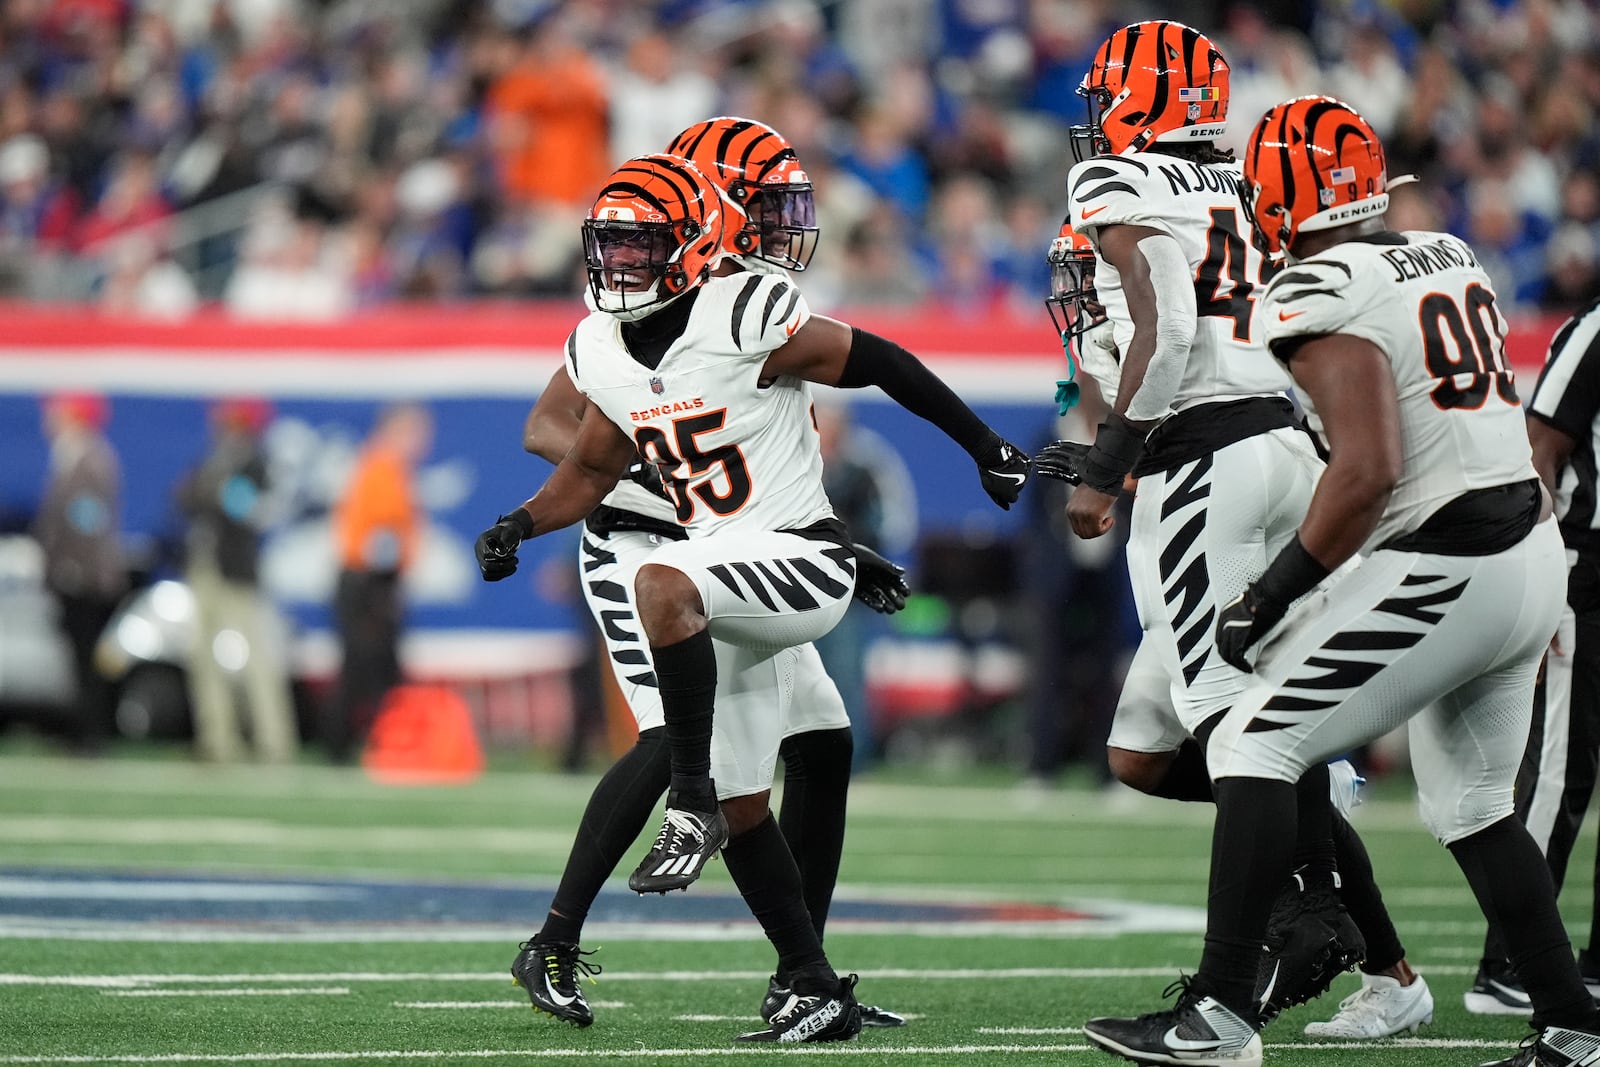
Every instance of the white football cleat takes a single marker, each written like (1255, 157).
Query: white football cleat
(1380, 1008)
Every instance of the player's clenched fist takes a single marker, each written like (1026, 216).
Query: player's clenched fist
(497, 546)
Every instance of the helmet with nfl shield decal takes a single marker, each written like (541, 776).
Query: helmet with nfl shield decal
(760, 172)
(1312, 163)
(1152, 82)
(654, 233)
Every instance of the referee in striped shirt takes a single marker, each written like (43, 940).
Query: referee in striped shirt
(1559, 766)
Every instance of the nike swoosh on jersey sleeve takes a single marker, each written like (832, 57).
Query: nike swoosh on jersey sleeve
(1305, 300)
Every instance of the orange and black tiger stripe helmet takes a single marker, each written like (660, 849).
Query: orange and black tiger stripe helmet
(1312, 163)
(760, 172)
(1152, 82)
(654, 233)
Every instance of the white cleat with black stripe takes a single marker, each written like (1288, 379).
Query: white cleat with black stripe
(687, 841)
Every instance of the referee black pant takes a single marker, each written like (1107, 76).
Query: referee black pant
(1557, 779)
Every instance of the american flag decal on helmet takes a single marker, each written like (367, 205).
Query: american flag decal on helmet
(1342, 174)
(657, 386)
(1199, 93)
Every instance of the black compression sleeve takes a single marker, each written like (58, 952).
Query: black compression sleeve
(875, 360)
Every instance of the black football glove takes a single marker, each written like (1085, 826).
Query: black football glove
(1244, 622)
(497, 546)
(880, 584)
(1003, 471)
(1062, 460)
(642, 472)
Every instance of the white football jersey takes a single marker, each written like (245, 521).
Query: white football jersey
(735, 453)
(1096, 350)
(629, 495)
(1424, 301)
(1198, 206)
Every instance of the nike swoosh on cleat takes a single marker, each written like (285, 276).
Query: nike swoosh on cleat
(1183, 1044)
(550, 991)
(1266, 995)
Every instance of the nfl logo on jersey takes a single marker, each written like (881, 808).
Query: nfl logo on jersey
(657, 386)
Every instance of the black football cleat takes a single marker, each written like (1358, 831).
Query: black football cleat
(1198, 1031)
(1311, 940)
(688, 839)
(1554, 1046)
(872, 1016)
(777, 996)
(876, 1018)
(822, 1015)
(1496, 990)
(548, 971)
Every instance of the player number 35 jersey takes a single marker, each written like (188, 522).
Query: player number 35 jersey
(1424, 301)
(734, 451)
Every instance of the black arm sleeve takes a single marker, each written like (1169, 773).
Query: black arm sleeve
(875, 360)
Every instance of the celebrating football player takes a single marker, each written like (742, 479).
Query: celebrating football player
(1200, 418)
(1394, 342)
(758, 170)
(705, 376)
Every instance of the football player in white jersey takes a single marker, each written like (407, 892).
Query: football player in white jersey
(759, 170)
(1394, 342)
(706, 377)
(1199, 417)
(1393, 997)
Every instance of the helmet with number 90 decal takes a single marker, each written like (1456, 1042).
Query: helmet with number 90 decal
(1152, 82)
(760, 172)
(654, 233)
(1312, 163)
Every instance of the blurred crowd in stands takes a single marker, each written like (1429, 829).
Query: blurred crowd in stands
(306, 158)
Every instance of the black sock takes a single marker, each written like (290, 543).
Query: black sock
(1363, 900)
(769, 881)
(1313, 835)
(1251, 853)
(1512, 882)
(687, 675)
(618, 809)
(1186, 777)
(816, 783)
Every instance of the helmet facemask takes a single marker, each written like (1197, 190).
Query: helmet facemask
(1074, 307)
(1089, 139)
(634, 267)
(781, 226)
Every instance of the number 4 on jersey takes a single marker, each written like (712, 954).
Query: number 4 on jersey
(1226, 254)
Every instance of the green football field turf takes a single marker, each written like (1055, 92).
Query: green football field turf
(114, 989)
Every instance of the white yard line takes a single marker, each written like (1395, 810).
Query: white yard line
(266, 833)
(690, 1054)
(965, 974)
(292, 991)
(1023, 1031)
(465, 1004)
(1128, 920)
(686, 1053)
